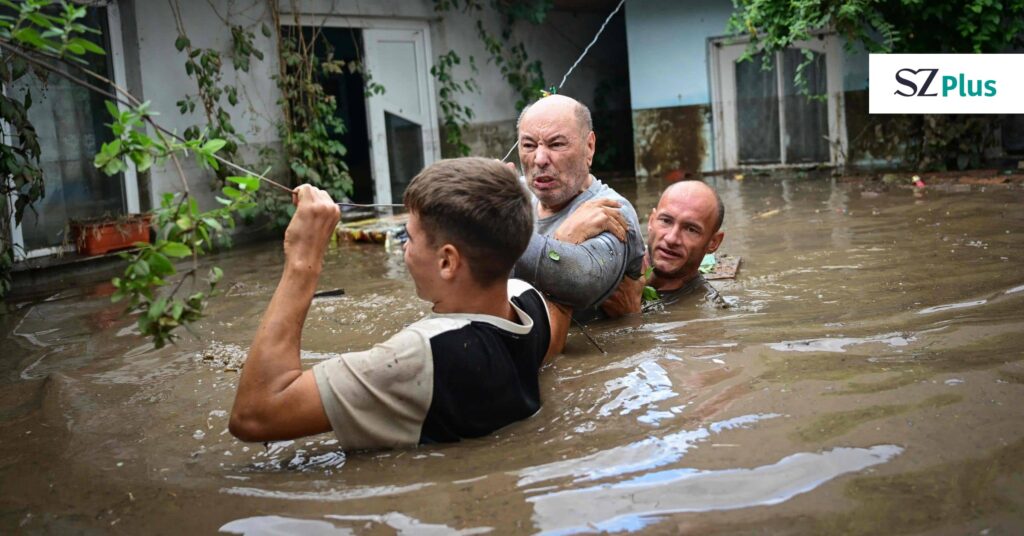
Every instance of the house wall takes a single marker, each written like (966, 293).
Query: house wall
(156, 70)
(669, 83)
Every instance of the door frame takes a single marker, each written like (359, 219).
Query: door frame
(431, 130)
(129, 177)
(724, 114)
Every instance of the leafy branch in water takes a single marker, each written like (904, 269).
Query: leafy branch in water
(181, 229)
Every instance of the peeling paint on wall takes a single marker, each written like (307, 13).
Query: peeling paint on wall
(671, 142)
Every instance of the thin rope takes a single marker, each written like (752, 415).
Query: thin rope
(577, 62)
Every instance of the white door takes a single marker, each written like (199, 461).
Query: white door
(760, 116)
(402, 121)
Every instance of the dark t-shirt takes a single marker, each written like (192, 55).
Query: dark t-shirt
(698, 286)
(443, 378)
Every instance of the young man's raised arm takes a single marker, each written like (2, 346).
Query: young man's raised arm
(276, 399)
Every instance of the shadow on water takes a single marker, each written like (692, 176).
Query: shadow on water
(867, 379)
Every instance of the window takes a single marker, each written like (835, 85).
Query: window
(760, 116)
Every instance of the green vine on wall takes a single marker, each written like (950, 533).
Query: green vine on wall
(455, 116)
(205, 66)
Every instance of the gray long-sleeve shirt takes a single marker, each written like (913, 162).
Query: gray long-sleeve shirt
(581, 276)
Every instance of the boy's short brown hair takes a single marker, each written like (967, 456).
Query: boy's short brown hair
(479, 206)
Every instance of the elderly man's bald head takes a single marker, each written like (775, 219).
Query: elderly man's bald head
(580, 110)
(698, 191)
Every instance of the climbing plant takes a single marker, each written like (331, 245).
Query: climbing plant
(49, 40)
(524, 76)
(454, 115)
(896, 26)
(205, 67)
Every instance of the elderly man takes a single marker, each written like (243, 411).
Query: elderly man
(556, 148)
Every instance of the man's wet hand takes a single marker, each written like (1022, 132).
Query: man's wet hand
(628, 298)
(591, 219)
(312, 225)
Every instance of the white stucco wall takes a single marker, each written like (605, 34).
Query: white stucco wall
(668, 50)
(160, 74)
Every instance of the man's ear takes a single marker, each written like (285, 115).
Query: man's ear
(715, 241)
(650, 220)
(449, 262)
(591, 146)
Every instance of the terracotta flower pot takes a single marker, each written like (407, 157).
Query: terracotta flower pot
(99, 237)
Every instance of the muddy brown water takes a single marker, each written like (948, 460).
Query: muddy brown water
(868, 379)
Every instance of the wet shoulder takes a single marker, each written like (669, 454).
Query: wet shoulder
(600, 190)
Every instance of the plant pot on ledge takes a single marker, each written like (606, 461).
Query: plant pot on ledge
(99, 236)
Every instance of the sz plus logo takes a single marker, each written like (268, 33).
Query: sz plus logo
(946, 83)
(922, 83)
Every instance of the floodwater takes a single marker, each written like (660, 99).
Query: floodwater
(867, 379)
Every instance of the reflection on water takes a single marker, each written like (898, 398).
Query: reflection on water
(866, 380)
(401, 524)
(634, 503)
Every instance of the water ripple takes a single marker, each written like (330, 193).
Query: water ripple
(641, 455)
(839, 344)
(949, 306)
(633, 504)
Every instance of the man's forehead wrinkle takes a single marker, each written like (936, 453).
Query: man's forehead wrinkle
(545, 130)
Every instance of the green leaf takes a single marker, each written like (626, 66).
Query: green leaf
(181, 42)
(265, 29)
(249, 184)
(213, 223)
(215, 275)
(160, 264)
(553, 255)
(176, 249)
(31, 37)
(156, 308)
(87, 45)
(214, 145)
(650, 294)
(232, 192)
(140, 268)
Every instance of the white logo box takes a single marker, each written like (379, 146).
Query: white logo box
(998, 78)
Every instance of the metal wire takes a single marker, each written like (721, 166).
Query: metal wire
(577, 62)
